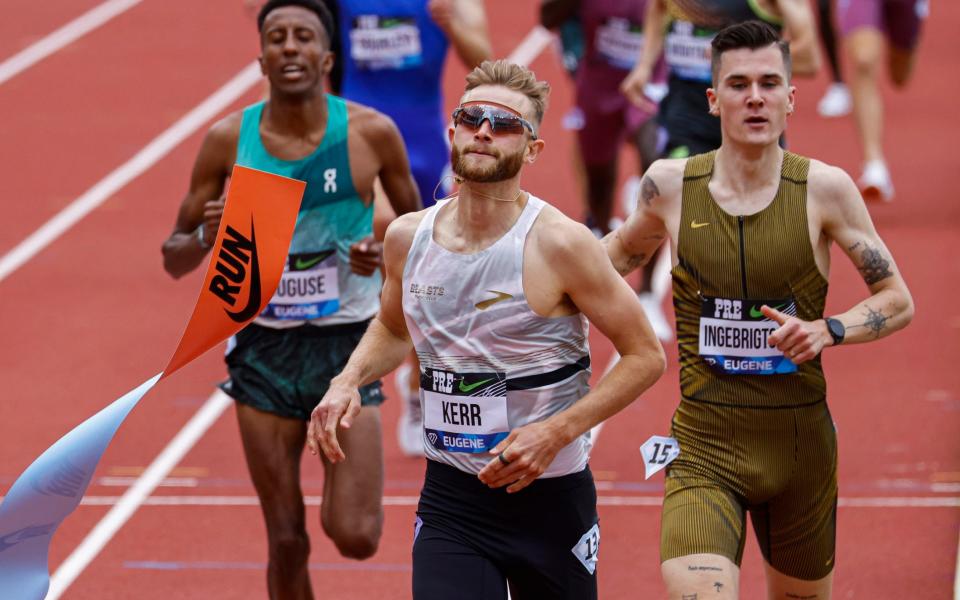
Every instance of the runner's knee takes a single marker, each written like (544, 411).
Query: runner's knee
(289, 548)
(866, 55)
(356, 538)
(700, 576)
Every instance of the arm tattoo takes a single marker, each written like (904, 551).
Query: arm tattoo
(875, 267)
(631, 263)
(688, 596)
(702, 568)
(648, 189)
(876, 321)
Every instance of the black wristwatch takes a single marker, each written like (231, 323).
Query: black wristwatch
(836, 330)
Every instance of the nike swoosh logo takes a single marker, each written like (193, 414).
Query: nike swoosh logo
(488, 303)
(756, 313)
(695, 225)
(302, 265)
(472, 386)
(253, 301)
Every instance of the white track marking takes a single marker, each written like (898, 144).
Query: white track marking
(127, 504)
(66, 35)
(531, 46)
(150, 155)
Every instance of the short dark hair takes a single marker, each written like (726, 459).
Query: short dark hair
(314, 6)
(752, 35)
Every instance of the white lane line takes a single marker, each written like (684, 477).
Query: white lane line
(125, 173)
(66, 35)
(604, 500)
(531, 46)
(140, 492)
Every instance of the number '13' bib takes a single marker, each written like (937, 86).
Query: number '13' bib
(464, 412)
(733, 336)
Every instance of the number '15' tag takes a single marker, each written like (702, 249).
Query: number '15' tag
(658, 452)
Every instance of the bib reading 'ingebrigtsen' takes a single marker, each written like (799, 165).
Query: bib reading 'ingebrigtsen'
(729, 266)
(488, 363)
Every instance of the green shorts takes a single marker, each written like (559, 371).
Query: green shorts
(778, 464)
(287, 371)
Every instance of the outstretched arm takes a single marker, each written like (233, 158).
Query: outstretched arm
(845, 220)
(382, 349)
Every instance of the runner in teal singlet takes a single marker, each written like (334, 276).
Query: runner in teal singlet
(281, 365)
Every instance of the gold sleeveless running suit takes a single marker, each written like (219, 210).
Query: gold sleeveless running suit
(759, 443)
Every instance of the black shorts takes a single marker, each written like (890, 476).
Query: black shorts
(470, 540)
(287, 371)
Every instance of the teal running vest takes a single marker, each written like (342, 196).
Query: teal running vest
(318, 286)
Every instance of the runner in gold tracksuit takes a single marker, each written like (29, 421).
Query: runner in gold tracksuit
(751, 227)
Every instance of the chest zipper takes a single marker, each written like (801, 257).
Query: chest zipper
(743, 259)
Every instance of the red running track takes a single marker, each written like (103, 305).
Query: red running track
(93, 315)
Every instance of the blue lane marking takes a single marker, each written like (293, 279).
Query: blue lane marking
(158, 565)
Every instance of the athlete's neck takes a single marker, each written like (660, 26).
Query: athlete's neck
(485, 211)
(743, 168)
(296, 116)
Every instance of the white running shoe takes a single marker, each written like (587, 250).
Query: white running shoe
(654, 312)
(836, 102)
(410, 423)
(875, 183)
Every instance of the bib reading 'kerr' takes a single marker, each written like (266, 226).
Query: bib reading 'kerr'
(489, 364)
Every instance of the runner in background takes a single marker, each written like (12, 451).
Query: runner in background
(872, 28)
(612, 40)
(281, 364)
(836, 102)
(393, 56)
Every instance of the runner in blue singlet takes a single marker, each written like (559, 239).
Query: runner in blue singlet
(393, 54)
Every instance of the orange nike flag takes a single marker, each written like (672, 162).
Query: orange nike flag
(247, 262)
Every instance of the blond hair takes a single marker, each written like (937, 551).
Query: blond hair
(514, 77)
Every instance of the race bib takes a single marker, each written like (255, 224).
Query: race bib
(687, 52)
(619, 41)
(309, 288)
(378, 42)
(733, 336)
(657, 453)
(587, 549)
(464, 412)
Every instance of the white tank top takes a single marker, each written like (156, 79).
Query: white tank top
(488, 363)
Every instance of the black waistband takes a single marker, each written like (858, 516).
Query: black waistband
(319, 330)
(549, 378)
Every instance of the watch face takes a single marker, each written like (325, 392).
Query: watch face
(836, 328)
